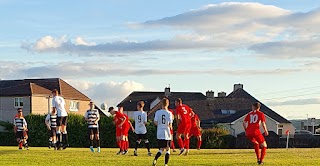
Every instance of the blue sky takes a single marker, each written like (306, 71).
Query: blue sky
(109, 48)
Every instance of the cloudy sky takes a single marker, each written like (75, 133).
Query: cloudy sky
(107, 49)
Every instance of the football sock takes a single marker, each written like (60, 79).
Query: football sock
(65, 138)
(180, 142)
(91, 142)
(263, 153)
(58, 138)
(20, 144)
(98, 143)
(166, 159)
(257, 149)
(137, 144)
(127, 144)
(119, 144)
(172, 145)
(147, 144)
(199, 144)
(158, 155)
(187, 143)
(123, 145)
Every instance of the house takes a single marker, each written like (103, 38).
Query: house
(309, 124)
(34, 96)
(225, 110)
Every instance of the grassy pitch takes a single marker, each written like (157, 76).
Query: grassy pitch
(82, 156)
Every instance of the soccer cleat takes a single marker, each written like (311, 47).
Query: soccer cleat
(91, 149)
(20, 148)
(186, 153)
(173, 150)
(154, 163)
(98, 150)
(181, 151)
(149, 154)
(125, 152)
(65, 146)
(260, 163)
(119, 152)
(58, 147)
(135, 153)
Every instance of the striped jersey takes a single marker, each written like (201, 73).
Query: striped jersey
(52, 119)
(92, 116)
(20, 123)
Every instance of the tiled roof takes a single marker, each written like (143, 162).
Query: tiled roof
(40, 86)
(241, 93)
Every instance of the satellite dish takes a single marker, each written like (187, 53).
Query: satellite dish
(104, 106)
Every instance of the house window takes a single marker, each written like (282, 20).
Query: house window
(280, 132)
(74, 106)
(18, 102)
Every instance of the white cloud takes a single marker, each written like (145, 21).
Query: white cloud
(109, 92)
(295, 102)
(81, 41)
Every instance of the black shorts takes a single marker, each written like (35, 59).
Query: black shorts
(163, 143)
(53, 132)
(141, 136)
(19, 134)
(63, 120)
(93, 131)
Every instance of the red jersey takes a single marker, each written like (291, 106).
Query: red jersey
(126, 123)
(118, 118)
(194, 120)
(254, 119)
(185, 113)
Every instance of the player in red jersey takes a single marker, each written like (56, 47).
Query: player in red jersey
(184, 114)
(172, 133)
(125, 131)
(196, 129)
(119, 119)
(251, 126)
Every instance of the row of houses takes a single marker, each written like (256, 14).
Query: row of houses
(227, 110)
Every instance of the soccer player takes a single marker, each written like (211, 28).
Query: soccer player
(251, 125)
(140, 119)
(119, 119)
(92, 117)
(125, 131)
(172, 133)
(20, 128)
(163, 120)
(58, 104)
(51, 123)
(196, 129)
(184, 114)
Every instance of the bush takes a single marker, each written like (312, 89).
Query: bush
(78, 133)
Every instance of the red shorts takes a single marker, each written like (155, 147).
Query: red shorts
(125, 130)
(256, 138)
(184, 128)
(195, 132)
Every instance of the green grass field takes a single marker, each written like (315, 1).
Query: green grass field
(82, 156)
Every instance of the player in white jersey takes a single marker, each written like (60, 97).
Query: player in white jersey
(20, 128)
(92, 117)
(163, 120)
(58, 104)
(51, 123)
(140, 120)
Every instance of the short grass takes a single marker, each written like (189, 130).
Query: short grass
(82, 156)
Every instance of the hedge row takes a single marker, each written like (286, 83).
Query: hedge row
(78, 133)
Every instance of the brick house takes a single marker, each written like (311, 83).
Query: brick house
(34, 96)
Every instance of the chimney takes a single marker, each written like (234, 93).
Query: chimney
(222, 94)
(167, 91)
(210, 94)
(237, 86)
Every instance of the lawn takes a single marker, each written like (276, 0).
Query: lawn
(82, 156)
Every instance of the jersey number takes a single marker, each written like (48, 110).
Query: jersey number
(253, 118)
(163, 119)
(184, 110)
(139, 118)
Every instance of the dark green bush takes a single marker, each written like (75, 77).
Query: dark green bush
(78, 133)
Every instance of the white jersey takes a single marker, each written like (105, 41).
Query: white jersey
(59, 103)
(140, 118)
(164, 119)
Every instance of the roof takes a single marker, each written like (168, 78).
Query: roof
(228, 119)
(241, 93)
(130, 102)
(30, 87)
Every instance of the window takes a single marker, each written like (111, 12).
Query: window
(18, 102)
(74, 106)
